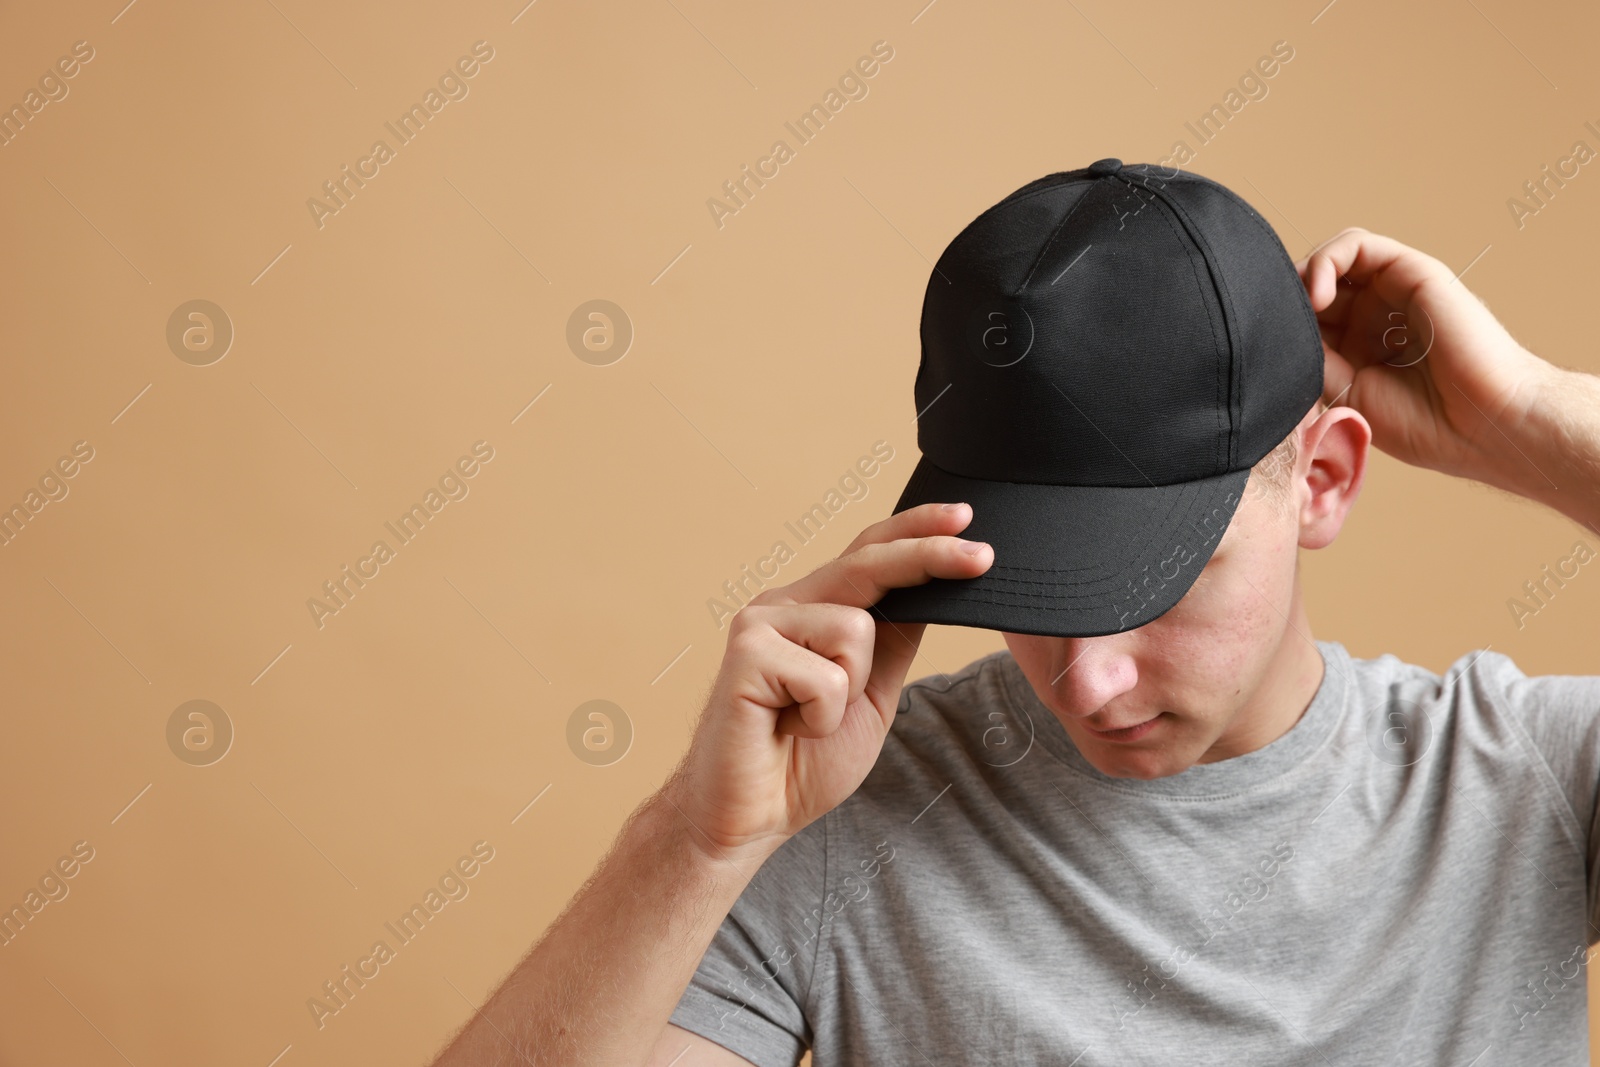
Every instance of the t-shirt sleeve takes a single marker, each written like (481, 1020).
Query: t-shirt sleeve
(750, 988)
(1561, 715)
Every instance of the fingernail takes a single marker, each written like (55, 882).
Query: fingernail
(948, 507)
(972, 548)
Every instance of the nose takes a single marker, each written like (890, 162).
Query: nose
(1090, 672)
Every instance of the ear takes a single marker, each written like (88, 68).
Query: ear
(1331, 464)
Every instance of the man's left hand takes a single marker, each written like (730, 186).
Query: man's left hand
(1410, 347)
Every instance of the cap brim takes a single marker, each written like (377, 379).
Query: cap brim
(1069, 561)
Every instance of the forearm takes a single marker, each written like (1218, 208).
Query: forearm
(1556, 455)
(600, 985)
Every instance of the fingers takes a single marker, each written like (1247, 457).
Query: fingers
(1393, 271)
(921, 520)
(1377, 301)
(905, 549)
(834, 632)
(860, 578)
(808, 662)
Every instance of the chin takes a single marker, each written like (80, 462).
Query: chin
(1143, 764)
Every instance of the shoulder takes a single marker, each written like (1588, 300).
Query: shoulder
(948, 727)
(1476, 697)
(1387, 675)
(943, 710)
(1547, 708)
(941, 692)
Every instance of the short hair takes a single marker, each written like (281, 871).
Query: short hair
(1272, 472)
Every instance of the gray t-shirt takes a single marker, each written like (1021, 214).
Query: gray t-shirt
(1407, 876)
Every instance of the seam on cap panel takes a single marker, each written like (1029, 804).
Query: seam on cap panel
(1306, 313)
(1189, 251)
(985, 213)
(1043, 251)
(1236, 347)
(1256, 217)
(1007, 202)
(1226, 379)
(1225, 302)
(1017, 195)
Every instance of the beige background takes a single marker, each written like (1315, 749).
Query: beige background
(769, 354)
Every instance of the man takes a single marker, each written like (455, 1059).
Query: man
(1167, 824)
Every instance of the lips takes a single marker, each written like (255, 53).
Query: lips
(1125, 733)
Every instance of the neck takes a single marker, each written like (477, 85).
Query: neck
(1291, 680)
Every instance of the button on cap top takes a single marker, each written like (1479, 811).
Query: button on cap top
(1101, 168)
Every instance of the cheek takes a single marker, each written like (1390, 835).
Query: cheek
(1213, 640)
(1031, 652)
(1245, 617)
(1245, 594)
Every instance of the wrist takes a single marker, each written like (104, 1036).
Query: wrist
(666, 819)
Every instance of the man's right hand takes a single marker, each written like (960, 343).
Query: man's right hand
(809, 686)
(807, 692)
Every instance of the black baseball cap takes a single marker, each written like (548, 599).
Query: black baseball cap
(1105, 354)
